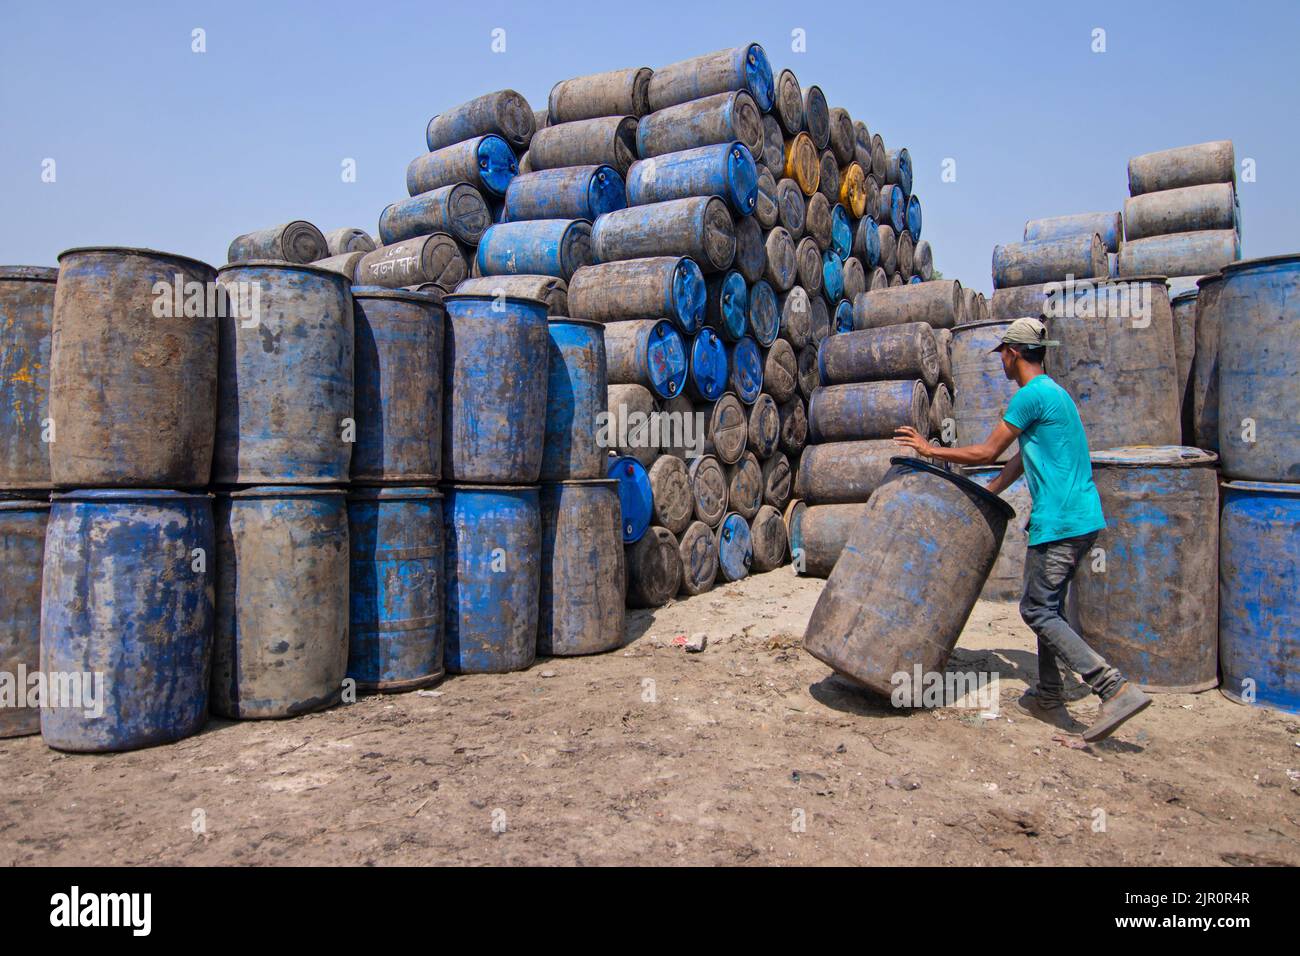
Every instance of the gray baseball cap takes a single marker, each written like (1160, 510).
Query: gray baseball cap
(1026, 331)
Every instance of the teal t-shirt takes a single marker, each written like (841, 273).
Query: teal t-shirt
(1054, 451)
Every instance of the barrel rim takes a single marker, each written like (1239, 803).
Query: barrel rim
(24, 504)
(1153, 456)
(1209, 277)
(489, 297)
(279, 491)
(1244, 265)
(1286, 488)
(967, 326)
(128, 494)
(450, 486)
(136, 251)
(587, 481)
(393, 492)
(572, 320)
(403, 294)
(961, 481)
(1185, 294)
(283, 264)
(15, 273)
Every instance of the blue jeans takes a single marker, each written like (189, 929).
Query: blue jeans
(1049, 568)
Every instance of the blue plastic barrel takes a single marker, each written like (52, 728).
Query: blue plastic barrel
(843, 318)
(735, 547)
(1259, 593)
(458, 210)
(723, 169)
(727, 309)
(914, 216)
(841, 232)
(577, 383)
(866, 243)
(832, 277)
(570, 192)
(542, 247)
(395, 634)
(583, 577)
(22, 547)
(707, 379)
(635, 496)
(492, 577)
(745, 370)
(741, 68)
(896, 207)
(26, 319)
(494, 389)
(398, 385)
(764, 313)
(485, 162)
(126, 618)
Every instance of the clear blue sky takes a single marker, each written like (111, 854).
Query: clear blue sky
(158, 146)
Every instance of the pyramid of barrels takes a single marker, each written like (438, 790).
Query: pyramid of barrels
(1180, 357)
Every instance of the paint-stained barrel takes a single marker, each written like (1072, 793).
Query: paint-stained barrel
(635, 495)
(700, 228)
(348, 239)
(395, 633)
(818, 223)
(1183, 307)
(1182, 166)
(982, 389)
(940, 413)
(611, 93)
(1007, 579)
(630, 408)
(398, 386)
(780, 267)
(282, 575)
(828, 177)
(1049, 260)
(726, 429)
(802, 163)
(1205, 365)
(285, 404)
(808, 265)
(654, 569)
(780, 371)
(583, 577)
(741, 68)
(937, 303)
(796, 317)
(133, 370)
(1117, 361)
(670, 485)
(1187, 209)
(751, 253)
(745, 486)
(435, 258)
(494, 389)
(867, 410)
(504, 113)
(923, 261)
(706, 379)
(22, 550)
(298, 241)
(127, 614)
(841, 135)
(665, 286)
(843, 472)
(575, 398)
(551, 247)
(791, 208)
(745, 370)
(809, 377)
(898, 169)
(554, 292)
(764, 427)
(787, 106)
(735, 547)
(1108, 225)
(699, 553)
(606, 140)
(893, 352)
(818, 534)
(646, 352)
(1259, 364)
(763, 315)
(866, 242)
(491, 576)
(893, 207)
(485, 162)
(841, 231)
(26, 320)
(777, 480)
(768, 540)
(345, 265)
(888, 261)
(1150, 608)
(721, 118)
(906, 249)
(853, 190)
(817, 116)
(794, 426)
(709, 489)
(765, 211)
(1259, 580)
(571, 192)
(877, 615)
(1180, 254)
(457, 209)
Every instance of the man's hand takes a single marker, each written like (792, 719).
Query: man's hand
(908, 437)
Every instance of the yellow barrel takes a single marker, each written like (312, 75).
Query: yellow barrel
(853, 190)
(802, 163)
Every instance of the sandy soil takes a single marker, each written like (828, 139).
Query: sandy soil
(749, 752)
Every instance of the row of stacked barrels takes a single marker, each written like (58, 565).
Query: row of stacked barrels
(1178, 355)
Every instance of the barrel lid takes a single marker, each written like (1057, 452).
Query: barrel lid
(709, 364)
(735, 546)
(742, 178)
(841, 231)
(1153, 456)
(402, 295)
(392, 492)
(746, 370)
(128, 494)
(758, 77)
(689, 294)
(961, 481)
(703, 461)
(30, 273)
(496, 163)
(606, 191)
(16, 503)
(281, 491)
(843, 319)
(286, 267)
(1264, 487)
(666, 360)
(134, 251)
(1264, 262)
(832, 275)
(764, 313)
(635, 496)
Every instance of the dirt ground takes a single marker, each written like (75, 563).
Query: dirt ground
(750, 752)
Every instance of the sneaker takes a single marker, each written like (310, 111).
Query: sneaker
(1038, 705)
(1127, 702)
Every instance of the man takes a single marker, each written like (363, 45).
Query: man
(1064, 523)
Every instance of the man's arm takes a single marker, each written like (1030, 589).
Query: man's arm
(1007, 476)
(985, 453)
